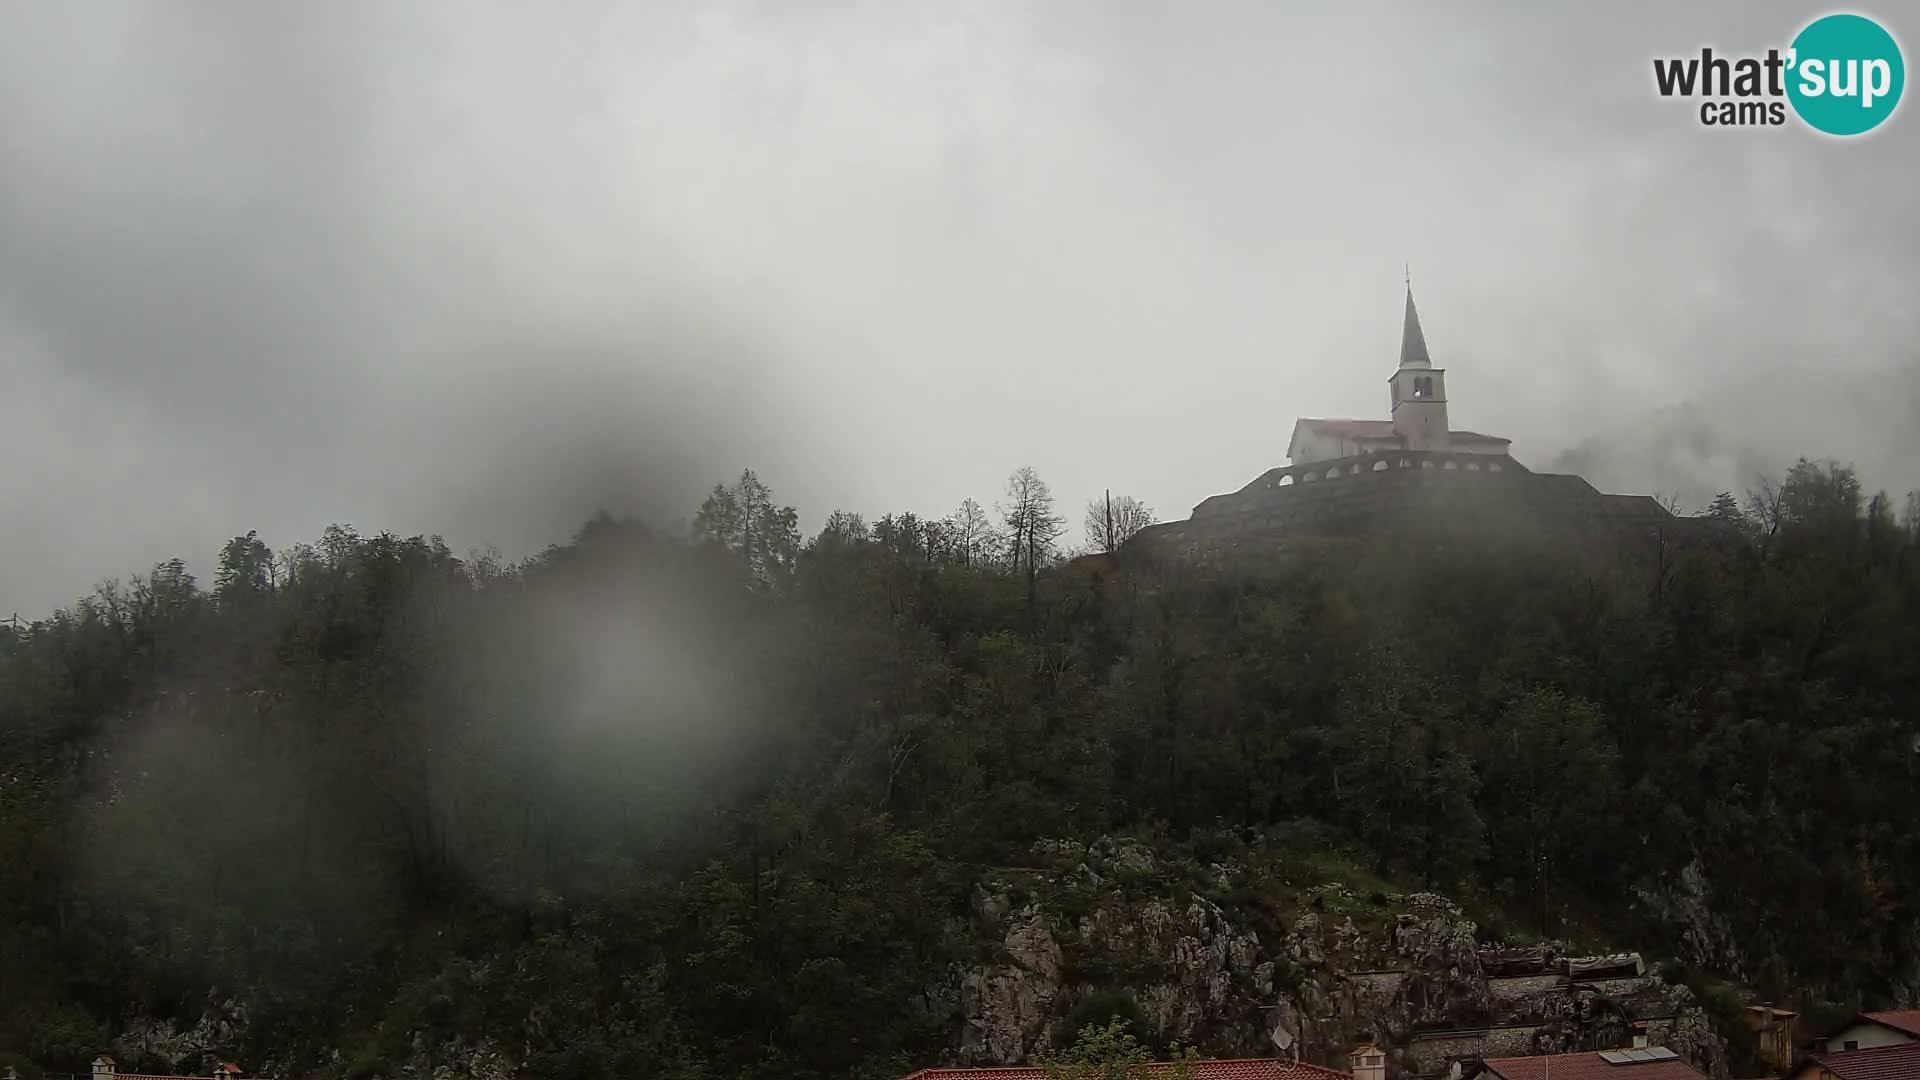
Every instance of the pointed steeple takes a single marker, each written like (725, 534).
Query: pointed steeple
(1413, 343)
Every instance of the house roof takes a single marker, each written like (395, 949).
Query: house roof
(1901, 1062)
(1590, 1066)
(1907, 1020)
(1236, 1069)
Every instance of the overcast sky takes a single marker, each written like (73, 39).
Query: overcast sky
(476, 268)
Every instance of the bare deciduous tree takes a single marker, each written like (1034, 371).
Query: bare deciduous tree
(1763, 506)
(1112, 521)
(1033, 529)
(971, 535)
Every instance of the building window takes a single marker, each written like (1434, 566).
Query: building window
(1851, 1044)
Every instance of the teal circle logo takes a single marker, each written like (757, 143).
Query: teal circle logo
(1845, 74)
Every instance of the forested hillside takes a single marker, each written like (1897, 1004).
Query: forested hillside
(711, 806)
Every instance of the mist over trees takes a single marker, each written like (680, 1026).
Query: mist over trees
(708, 807)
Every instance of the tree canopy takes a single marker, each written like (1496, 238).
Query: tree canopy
(712, 806)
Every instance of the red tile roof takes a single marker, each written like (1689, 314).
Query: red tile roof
(225, 1068)
(1907, 1020)
(1239, 1069)
(1588, 1067)
(1900, 1062)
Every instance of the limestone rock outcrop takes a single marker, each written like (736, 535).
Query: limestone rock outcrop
(215, 1037)
(1295, 970)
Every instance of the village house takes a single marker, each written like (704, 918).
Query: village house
(1773, 1032)
(1896, 1061)
(1874, 1029)
(1645, 1063)
(105, 1068)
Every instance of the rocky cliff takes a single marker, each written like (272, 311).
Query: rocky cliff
(1244, 962)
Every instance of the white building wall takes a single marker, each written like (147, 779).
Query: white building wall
(1869, 1036)
(1316, 445)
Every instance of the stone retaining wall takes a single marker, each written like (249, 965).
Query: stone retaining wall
(1511, 990)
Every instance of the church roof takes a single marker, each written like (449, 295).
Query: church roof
(1377, 429)
(1413, 343)
(1352, 429)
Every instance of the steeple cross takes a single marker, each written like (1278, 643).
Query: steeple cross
(1409, 277)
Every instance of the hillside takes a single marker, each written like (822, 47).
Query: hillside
(739, 805)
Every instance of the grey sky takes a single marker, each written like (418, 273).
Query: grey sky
(478, 268)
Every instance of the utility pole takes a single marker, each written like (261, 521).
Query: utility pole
(1108, 538)
(1545, 918)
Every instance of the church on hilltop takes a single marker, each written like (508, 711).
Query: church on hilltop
(1417, 420)
(1412, 468)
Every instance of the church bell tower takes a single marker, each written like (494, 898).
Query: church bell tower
(1419, 390)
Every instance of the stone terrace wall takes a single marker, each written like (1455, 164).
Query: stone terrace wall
(1405, 489)
(1430, 1055)
(1513, 989)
